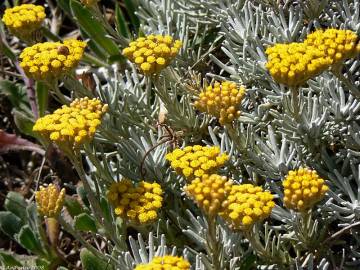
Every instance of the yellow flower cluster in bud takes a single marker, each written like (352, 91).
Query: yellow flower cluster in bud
(221, 100)
(209, 192)
(245, 205)
(196, 160)
(89, 2)
(295, 63)
(165, 263)
(337, 44)
(50, 60)
(50, 200)
(72, 125)
(152, 53)
(303, 188)
(23, 20)
(138, 204)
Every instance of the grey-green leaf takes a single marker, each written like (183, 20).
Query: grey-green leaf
(16, 204)
(29, 241)
(91, 262)
(85, 222)
(93, 28)
(10, 224)
(8, 260)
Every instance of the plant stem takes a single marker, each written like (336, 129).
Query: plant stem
(295, 103)
(213, 247)
(260, 249)
(30, 91)
(94, 202)
(74, 233)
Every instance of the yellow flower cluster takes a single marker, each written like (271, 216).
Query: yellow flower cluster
(221, 100)
(50, 200)
(152, 53)
(303, 188)
(337, 44)
(196, 160)
(295, 63)
(72, 125)
(139, 204)
(245, 205)
(209, 192)
(23, 20)
(165, 263)
(50, 60)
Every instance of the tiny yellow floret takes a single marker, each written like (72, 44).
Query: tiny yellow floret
(338, 44)
(138, 204)
(51, 60)
(197, 160)
(72, 125)
(303, 188)
(221, 100)
(23, 20)
(245, 205)
(208, 192)
(50, 200)
(152, 53)
(165, 263)
(294, 63)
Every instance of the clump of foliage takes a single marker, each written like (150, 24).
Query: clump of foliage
(218, 134)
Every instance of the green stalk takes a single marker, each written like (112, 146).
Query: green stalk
(213, 248)
(78, 236)
(94, 202)
(295, 103)
(260, 249)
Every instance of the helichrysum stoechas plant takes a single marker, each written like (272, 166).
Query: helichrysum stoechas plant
(337, 44)
(50, 200)
(221, 100)
(245, 205)
(165, 263)
(74, 124)
(138, 204)
(303, 188)
(152, 53)
(295, 63)
(209, 192)
(23, 20)
(194, 161)
(51, 60)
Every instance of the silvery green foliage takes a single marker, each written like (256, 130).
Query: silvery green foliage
(142, 251)
(227, 40)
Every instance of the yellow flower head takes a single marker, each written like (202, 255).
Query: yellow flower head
(221, 100)
(23, 20)
(152, 53)
(50, 60)
(165, 263)
(337, 44)
(295, 63)
(72, 125)
(209, 191)
(303, 188)
(138, 204)
(50, 200)
(197, 160)
(246, 205)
